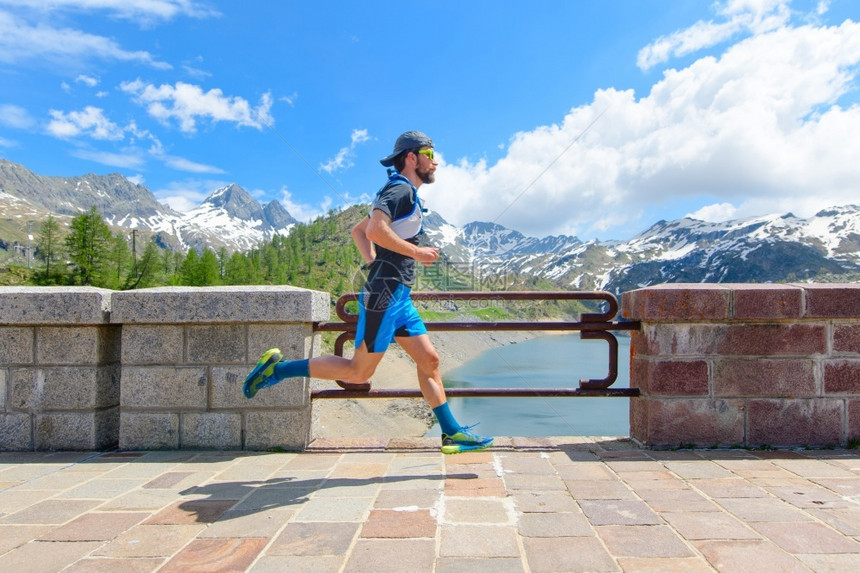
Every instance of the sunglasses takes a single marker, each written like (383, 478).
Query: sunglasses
(427, 152)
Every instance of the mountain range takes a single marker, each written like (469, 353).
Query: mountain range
(771, 248)
(229, 217)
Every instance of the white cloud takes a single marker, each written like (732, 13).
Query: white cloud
(131, 160)
(755, 16)
(141, 10)
(7, 142)
(760, 128)
(90, 121)
(15, 116)
(186, 195)
(716, 213)
(182, 164)
(136, 179)
(187, 104)
(21, 42)
(304, 212)
(344, 157)
(87, 80)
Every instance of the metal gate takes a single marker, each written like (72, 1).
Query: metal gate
(591, 326)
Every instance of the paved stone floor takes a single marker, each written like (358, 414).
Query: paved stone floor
(541, 504)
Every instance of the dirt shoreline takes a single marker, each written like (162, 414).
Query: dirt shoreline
(377, 417)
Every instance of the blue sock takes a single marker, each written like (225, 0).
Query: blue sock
(446, 419)
(292, 368)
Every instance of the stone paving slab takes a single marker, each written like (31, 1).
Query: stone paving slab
(528, 505)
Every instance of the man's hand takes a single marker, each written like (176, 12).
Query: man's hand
(426, 255)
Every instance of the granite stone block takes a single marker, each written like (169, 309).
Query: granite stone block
(294, 340)
(77, 344)
(846, 338)
(703, 422)
(832, 300)
(678, 302)
(16, 345)
(289, 430)
(764, 377)
(148, 431)
(64, 388)
(211, 430)
(76, 430)
(670, 377)
(767, 302)
(853, 408)
(216, 344)
(55, 305)
(15, 432)
(842, 377)
(149, 344)
(224, 304)
(167, 387)
(795, 422)
(732, 340)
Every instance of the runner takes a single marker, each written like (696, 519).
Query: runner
(388, 241)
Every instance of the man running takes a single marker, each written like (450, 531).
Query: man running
(388, 241)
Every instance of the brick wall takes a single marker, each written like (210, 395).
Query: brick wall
(746, 365)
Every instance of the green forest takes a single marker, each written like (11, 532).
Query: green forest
(319, 255)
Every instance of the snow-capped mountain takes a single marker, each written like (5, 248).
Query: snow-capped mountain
(760, 249)
(229, 217)
(236, 220)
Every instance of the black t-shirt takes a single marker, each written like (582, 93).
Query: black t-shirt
(399, 200)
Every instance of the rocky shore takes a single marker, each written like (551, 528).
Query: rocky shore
(379, 417)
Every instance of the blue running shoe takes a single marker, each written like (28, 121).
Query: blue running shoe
(464, 441)
(261, 375)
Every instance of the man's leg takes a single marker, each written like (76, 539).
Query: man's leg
(455, 438)
(426, 359)
(271, 369)
(359, 368)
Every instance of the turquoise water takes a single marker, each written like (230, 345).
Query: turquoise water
(544, 362)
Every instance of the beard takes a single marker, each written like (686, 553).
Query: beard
(426, 176)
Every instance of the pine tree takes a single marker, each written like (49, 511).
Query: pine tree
(208, 271)
(189, 272)
(88, 247)
(145, 273)
(120, 259)
(49, 252)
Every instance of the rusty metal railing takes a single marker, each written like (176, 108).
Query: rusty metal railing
(592, 326)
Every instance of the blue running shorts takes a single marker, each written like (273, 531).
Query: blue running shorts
(386, 311)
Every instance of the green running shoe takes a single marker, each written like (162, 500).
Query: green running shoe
(464, 441)
(261, 375)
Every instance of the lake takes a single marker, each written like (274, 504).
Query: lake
(557, 361)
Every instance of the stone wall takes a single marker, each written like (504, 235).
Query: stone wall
(153, 368)
(716, 365)
(59, 369)
(745, 365)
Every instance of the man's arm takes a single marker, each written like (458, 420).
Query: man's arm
(359, 237)
(379, 231)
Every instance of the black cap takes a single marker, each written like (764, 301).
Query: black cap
(407, 141)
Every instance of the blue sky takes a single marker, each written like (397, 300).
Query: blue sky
(589, 118)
